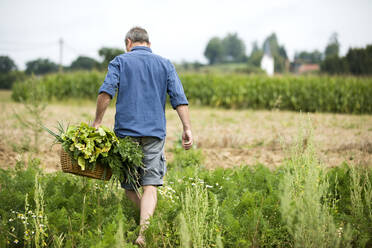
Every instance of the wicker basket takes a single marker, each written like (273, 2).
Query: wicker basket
(71, 166)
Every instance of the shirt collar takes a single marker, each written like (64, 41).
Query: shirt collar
(148, 49)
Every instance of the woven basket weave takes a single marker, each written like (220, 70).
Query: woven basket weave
(71, 166)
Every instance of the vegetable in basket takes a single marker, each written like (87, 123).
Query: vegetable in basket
(88, 146)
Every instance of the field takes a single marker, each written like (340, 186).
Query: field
(227, 138)
(255, 178)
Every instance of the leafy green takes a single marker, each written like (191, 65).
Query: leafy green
(88, 146)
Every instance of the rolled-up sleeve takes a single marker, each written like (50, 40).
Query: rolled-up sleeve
(112, 79)
(175, 89)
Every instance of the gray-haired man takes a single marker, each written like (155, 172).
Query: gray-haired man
(142, 80)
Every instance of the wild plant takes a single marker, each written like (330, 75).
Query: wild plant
(306, 205)
(32, 119)
(361, 210)
(40, 220)
(199, 217)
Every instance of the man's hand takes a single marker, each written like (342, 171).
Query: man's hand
(96, 125)
(183, 113)
(187, 140)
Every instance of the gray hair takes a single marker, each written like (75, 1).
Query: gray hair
(137, 34)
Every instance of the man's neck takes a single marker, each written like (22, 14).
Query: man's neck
(140, 44)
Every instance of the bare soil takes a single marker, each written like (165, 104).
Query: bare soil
(226, 137)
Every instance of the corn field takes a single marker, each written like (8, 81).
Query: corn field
(297, 93)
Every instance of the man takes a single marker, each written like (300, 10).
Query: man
(142, 80)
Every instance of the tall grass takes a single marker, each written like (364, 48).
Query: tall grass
(199, 217)
(306, 204)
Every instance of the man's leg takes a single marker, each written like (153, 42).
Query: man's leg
(148, 205)
(134, 197)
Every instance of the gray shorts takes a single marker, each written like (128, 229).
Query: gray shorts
(154, 162)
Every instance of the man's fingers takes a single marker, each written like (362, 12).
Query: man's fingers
(187, 144)
(187, 140)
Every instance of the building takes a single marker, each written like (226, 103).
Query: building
(267, 62)
(303, 68)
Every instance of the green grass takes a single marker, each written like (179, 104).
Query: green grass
(300, 204)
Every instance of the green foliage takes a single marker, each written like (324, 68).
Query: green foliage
(256, 56)
(333, 46)
(306, 206)
(199, 217)
(8, 73)
(108, 54)
(183, 158)
(305, 93)
(234, 48)
(88, 146)
(33, 116)
(237, 207)
(314, 57)
(41, 66)
(8, 79)
(6, 64)
(335, 65)
(79, 85)
(360, 60)
(229, 49)
(357, 62)
(214, 51)
(84, 63)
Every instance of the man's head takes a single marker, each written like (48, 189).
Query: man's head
(137, 36)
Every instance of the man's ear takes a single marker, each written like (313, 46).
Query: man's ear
(149, 44)
(128, 45)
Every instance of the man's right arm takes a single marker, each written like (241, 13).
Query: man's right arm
(103, 100)
(180, 104)
(183, 113)
(107, 90)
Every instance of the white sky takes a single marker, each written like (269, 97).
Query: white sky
(179, 30)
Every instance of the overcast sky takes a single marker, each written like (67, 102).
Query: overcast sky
(179, 30)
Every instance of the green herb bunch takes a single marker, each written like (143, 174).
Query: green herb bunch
(125, 160)
(88, 146)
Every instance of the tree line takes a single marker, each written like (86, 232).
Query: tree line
(9, 72)
(225, 50)
(231, 49)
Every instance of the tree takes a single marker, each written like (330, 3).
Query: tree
(256, 55)
(108, 54)
(234, 48)
(41, 66)
(333, 47)
(6, 64)
(334, 65)
(214, 51)
(8, 72)
(314, 57)
(84, 63)
(360, 60)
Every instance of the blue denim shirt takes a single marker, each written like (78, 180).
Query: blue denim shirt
(142, 80)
